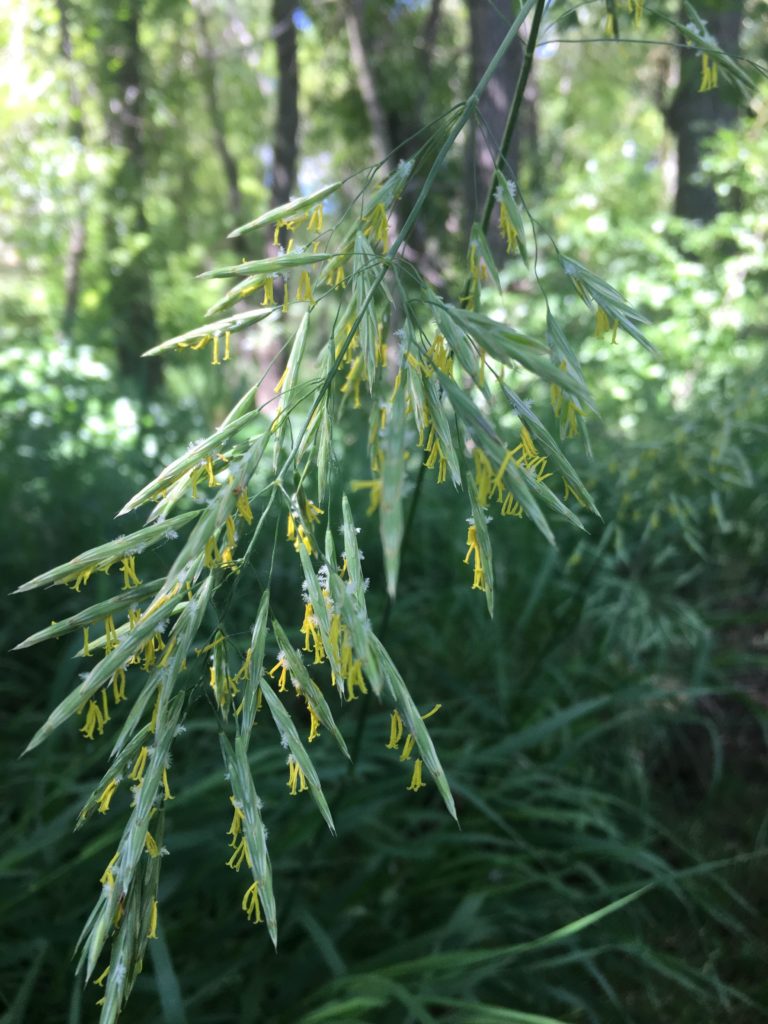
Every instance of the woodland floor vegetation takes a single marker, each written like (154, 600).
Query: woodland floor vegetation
(518, 363)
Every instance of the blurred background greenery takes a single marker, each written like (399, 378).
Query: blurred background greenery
(606, 728)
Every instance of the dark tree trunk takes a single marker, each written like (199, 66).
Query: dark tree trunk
(489, 23)
(284, 159)
(287, 118)
(218, 125)
(429, 37)
(394, 131)
(366, 84)
(129, 295)
(73, 260)
(695, 116)
(528, 136)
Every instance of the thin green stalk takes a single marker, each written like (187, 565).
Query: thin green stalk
(509, 127)
(514, 110)
(384, 625)
(464, 116)
(402, 235)
(514, 113)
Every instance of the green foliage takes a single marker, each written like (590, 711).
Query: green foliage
(580, 885)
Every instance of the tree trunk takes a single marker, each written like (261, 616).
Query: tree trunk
(73, 260)
(285, 154)
(129, 296)
(394, 131)
(695, 116)
(489, 22)
(287, 120)
(218, 124)
(529, 135)
(377, 117)
(429, 36)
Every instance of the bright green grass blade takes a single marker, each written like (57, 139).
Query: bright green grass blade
(254, 833)
(229, 325)
(96, 559)
(287, 211)
(415, 725)
(275, 265)
(125, 599)
(258, 642)
(309, 688)
(292, 741)
(392, 481)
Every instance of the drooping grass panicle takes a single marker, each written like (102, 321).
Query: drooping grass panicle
(428, 397)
